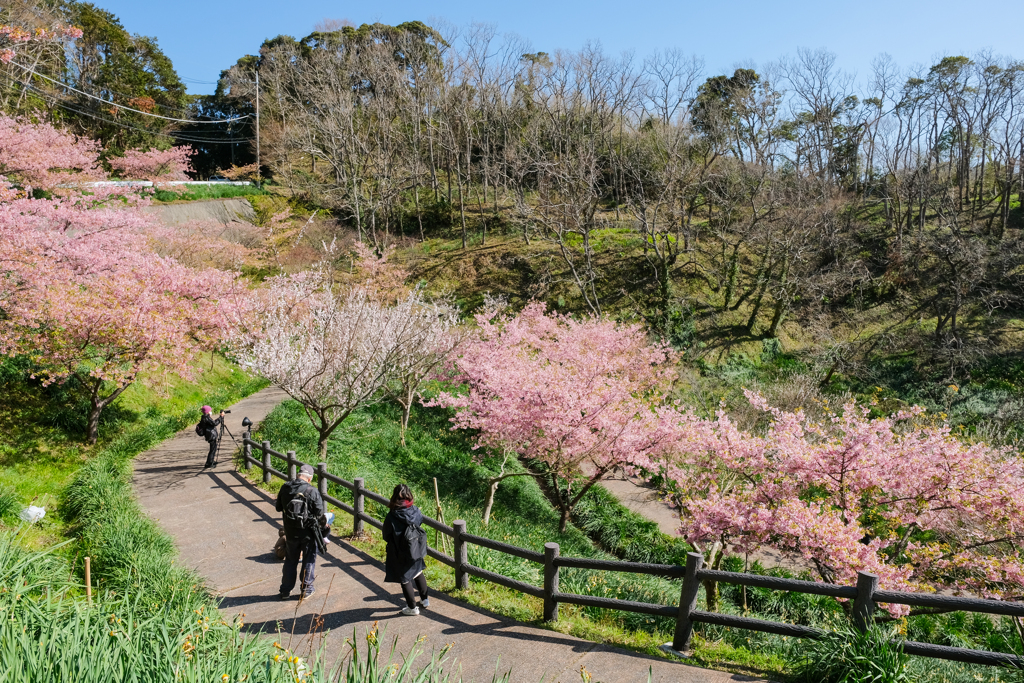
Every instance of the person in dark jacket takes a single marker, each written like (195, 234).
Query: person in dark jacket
(209, 428)
(399, 566)
(300, 537)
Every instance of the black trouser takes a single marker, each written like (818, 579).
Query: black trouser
(306, 547)
(421, 586)
(211, 457)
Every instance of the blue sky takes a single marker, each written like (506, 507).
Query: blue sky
(204, 37)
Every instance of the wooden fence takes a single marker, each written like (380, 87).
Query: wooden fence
(866, 595)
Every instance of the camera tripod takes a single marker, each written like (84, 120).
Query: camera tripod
(220, 435)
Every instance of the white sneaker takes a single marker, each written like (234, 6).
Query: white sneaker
(411, 611)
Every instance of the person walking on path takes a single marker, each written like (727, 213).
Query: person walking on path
(208, 426)
(303, 509)
(406, 548)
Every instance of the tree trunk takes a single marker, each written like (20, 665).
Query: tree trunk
(710, 586)
(97, 404)
(780, 312)
(406, 407)
(564, 521)
(491, 490)
(730, 278)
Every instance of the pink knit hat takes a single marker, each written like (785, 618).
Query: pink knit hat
(207, 410)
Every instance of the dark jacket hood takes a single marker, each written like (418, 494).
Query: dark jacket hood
(410, 515)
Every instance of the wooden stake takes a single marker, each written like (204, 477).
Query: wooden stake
(440, 518)
(88, 580)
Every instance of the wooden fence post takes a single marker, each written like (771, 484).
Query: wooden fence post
(291, 465)
(864, 603)
(246, 449)
(321, 481)
(88, 580)
(461, 555)
(687, 602)
(550, 581)
(358, 503)
(266, 462)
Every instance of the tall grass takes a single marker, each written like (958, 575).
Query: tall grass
(847, 655)
(52, 634)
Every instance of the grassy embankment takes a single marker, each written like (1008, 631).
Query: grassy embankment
(189, 193)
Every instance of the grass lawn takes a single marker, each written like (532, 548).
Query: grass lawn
(188, 193)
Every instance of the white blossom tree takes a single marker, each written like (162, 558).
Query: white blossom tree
(434, 335)
(331, 352)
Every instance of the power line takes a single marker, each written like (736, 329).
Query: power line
(121, 106)
(60, 103)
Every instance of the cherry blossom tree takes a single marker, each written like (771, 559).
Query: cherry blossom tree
(576, 396)
(40, 155)
(12, 36)
(434, 335)
(157, 165)
(81, 293)
(897, 496)
(332, 352)
(109, 325)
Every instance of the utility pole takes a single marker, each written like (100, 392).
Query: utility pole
(258, 174)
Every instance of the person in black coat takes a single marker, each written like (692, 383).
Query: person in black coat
(209, 428)
(399, 565)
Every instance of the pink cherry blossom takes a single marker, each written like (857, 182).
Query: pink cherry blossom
(573, 395)
(157, 165)
(896, 496)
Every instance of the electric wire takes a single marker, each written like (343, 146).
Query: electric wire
(126, 96)
(56, 101)
(121, 106)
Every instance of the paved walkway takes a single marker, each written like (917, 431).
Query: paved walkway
(225, 529)
(643, 499)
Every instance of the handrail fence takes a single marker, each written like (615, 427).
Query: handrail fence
(866, 595)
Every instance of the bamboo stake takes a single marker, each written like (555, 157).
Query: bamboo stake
(440, 518)
(88, 580)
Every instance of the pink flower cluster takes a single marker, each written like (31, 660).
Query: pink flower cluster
(569, 393)
(895, 496)
(40, 155)
(14, 35)
(157, 165)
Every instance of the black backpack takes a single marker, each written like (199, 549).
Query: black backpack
(416, 539)
(199, 429)
(297, 509)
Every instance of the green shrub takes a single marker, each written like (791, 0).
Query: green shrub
(847, 655)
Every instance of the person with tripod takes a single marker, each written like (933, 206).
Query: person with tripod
(208, 428)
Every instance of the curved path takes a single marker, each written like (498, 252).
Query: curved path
(225, 529)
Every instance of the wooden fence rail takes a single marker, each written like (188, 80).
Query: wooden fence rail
(865, 595)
